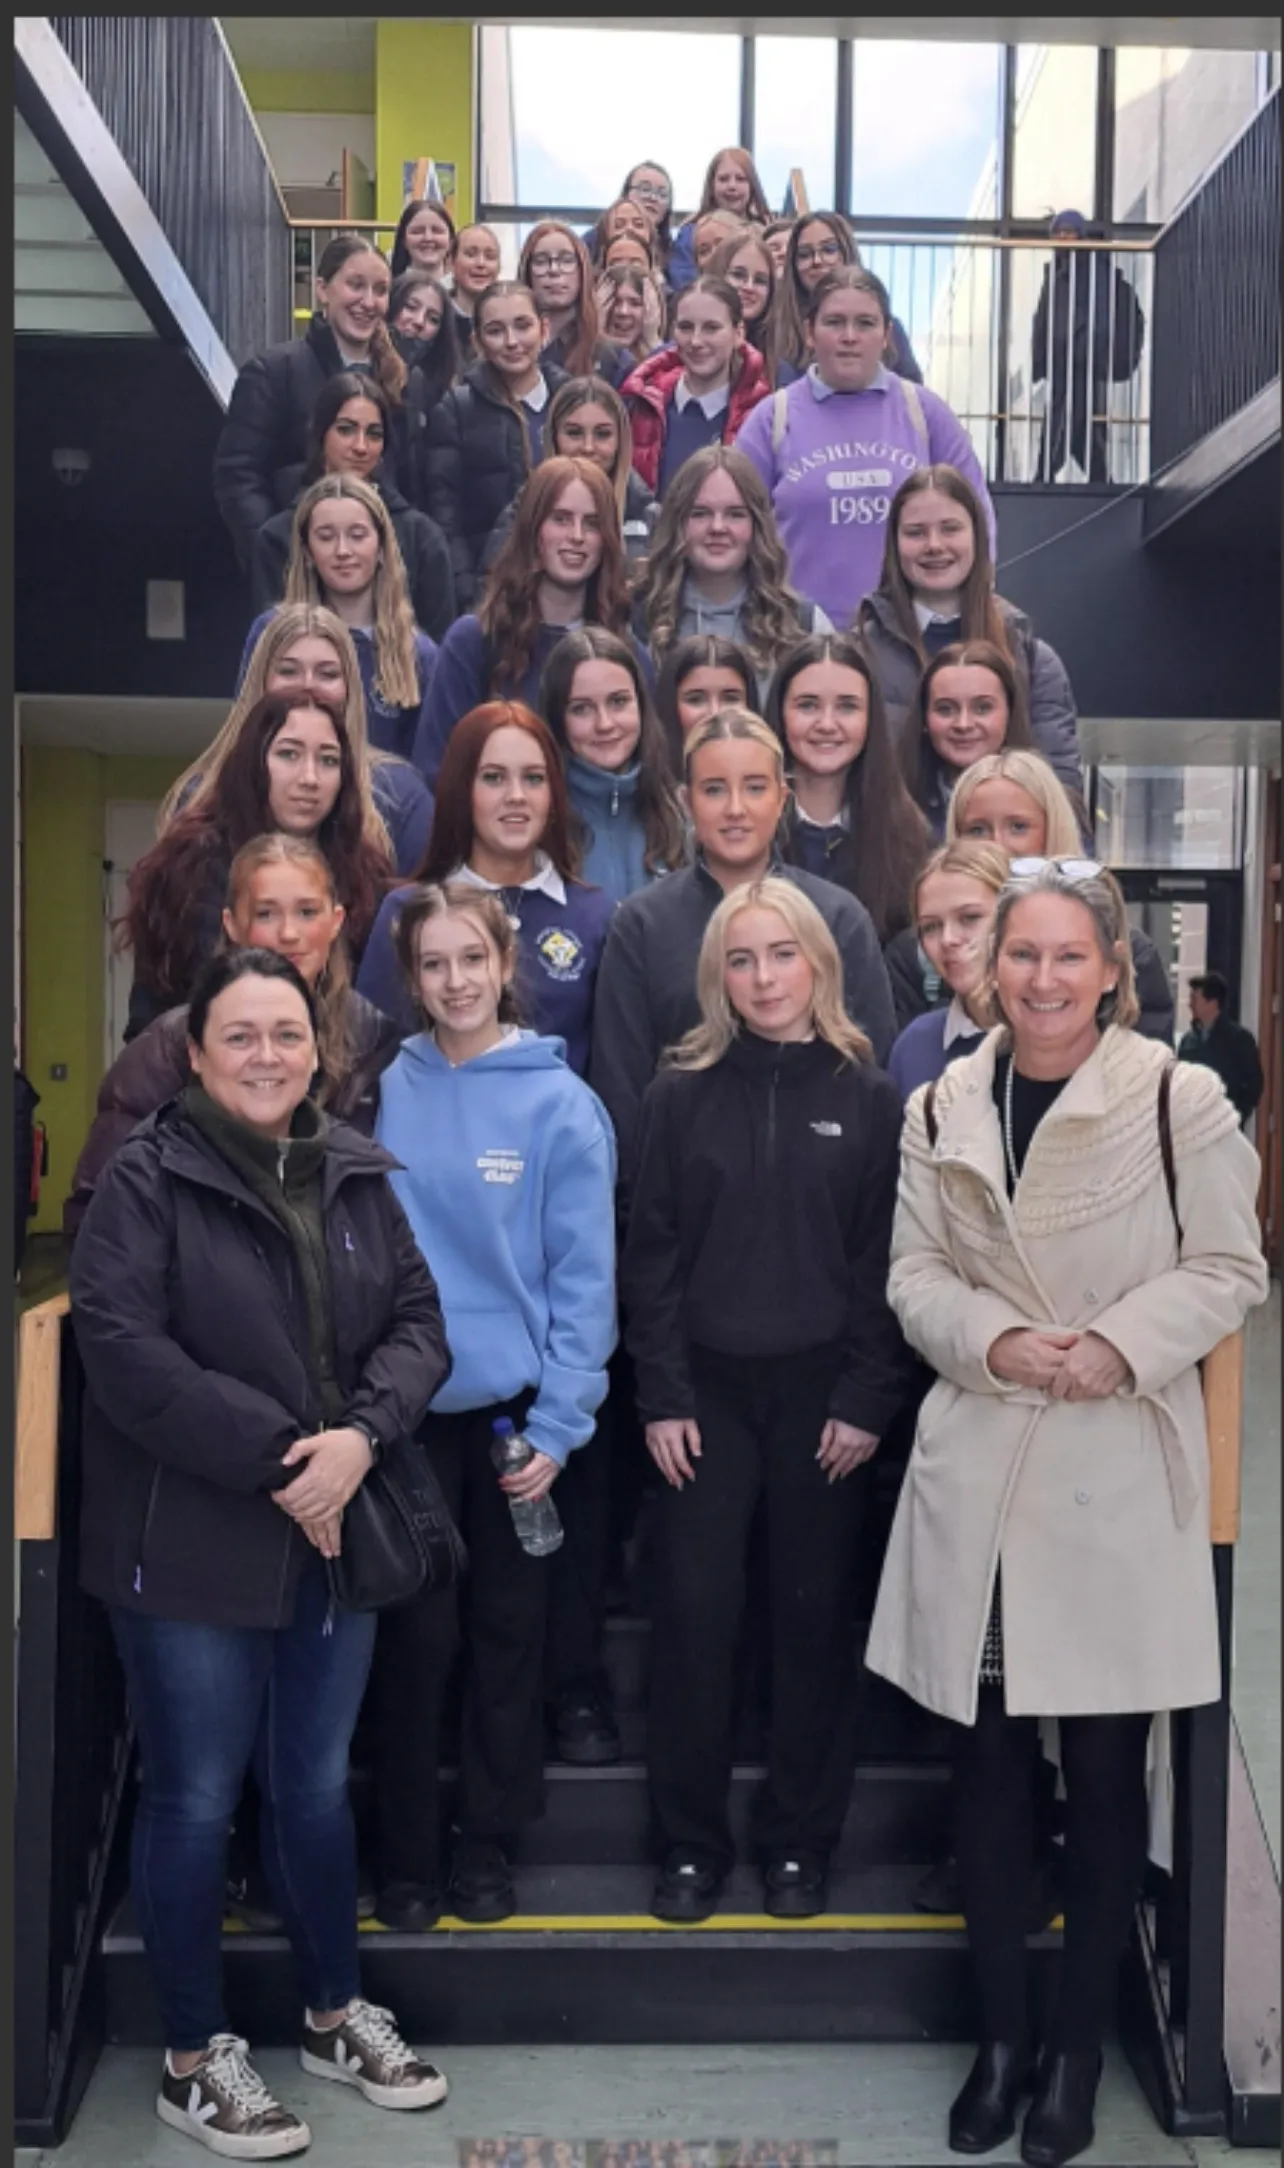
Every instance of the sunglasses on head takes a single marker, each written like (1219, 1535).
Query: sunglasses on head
(1074, 869)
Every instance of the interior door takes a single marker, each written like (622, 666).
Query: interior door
(1195, 922)
(129, 829)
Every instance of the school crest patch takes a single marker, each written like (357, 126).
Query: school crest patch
(560, 952)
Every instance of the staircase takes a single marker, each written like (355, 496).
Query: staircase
(584, 1960)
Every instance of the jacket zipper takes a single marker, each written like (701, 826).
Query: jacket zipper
(771, 1110)
(147, 1523)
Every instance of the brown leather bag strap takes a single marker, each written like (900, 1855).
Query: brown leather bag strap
(1166, 1144)
(929, 1113)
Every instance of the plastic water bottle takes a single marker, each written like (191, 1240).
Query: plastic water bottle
(539, 1529)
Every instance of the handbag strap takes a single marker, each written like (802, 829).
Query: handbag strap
(929, 1113)
(1166, 1144)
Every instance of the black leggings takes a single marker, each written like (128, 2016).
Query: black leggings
(1103, 1761)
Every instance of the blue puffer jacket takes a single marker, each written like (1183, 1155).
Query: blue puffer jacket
(614, 841)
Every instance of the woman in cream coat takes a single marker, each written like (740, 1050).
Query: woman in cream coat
(1050, 1554)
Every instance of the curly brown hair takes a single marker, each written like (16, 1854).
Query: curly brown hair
(772, 620)
(509, 608)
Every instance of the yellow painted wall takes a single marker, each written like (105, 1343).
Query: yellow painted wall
(308, 90)
(425, 97)
(64, 794)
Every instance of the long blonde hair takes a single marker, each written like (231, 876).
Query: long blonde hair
(1032, 774)
(289, 623)
(719, 1024)
(396, 665)
(333, 989)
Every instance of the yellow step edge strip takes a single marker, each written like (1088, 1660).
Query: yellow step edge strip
(597, 1923)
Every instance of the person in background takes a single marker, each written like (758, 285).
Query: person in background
(1221, 1044)
(831, 517)
(745, 262)
(1088, 333)
(503, 823)
(621, 220)
(716, 565)
(344, 556)
(649, 186)
(562, 566)
(697, 391)
(289, 771)
(628, 825)
(306, 649)
(424, 240)
(1014, 800)
(731, 185)
(486, 434)
(349, 428)
(555, 266)
(775, 239)
(505, 1166)
(261, 445)
(754, 1276)
(628, 248)
(701, 674)
(850, 819)
(255, 1320)
(735, 796)
(281, 895)
(712, 231)
(587, 419)
(474, 265)
(954, 901)
(1050, 1554)
(630, 302)
(426, 335)
(820, 243)
(970, 703)
(937, 587)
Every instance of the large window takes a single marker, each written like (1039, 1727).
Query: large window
(1055, 148)
(925, 122)
(795, 99)
(1175, 113)
(589, 104)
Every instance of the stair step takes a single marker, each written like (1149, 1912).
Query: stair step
(585, 1961)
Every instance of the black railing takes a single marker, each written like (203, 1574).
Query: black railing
(1216, 340)
(172, 100)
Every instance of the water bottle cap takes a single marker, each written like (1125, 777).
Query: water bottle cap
(502, 1426)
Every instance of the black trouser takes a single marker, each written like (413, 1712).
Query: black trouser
(1103, 1762)
(577, 1575)
(761, 1420)
(1082, 425)
(500, 1605)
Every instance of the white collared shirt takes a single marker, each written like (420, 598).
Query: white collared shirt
(546, 878)
(958, 1024)
(821, 390)
(710, 403)
(537, 397)
(928, 617)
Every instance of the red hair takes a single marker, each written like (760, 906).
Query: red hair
(451, 842)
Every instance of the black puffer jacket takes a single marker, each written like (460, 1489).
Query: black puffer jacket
(425, 554)
(193, 1329)
(916, 989)
(153, 1068)
(261, 446)
(477, 463)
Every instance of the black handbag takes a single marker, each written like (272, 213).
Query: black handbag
(398, 1534)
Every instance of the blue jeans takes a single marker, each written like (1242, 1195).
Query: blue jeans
(207, 1701)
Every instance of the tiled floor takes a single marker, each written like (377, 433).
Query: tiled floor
(876, 2104)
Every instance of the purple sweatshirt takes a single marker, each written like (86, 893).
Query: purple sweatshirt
(841, 459)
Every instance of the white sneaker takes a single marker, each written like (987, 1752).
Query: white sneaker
(227, 2108)
(366, 2050)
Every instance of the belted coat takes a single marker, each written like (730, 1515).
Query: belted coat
(1098, 1510)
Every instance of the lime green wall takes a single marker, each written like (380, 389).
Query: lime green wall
(63, 958)
(307, 90)
(424, 103)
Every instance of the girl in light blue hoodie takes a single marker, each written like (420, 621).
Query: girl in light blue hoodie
(595, 701)
(507, 1171)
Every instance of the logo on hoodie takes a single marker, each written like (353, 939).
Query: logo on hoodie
(500, 1166)
(561, 953)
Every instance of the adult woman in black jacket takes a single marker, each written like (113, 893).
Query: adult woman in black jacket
(261, 444)
(768, 1364)
(255, 1320)
(481, 443)
(349, 432)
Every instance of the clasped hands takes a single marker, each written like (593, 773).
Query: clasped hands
(674, 1446)
(1064, 1365)
(335, 1464)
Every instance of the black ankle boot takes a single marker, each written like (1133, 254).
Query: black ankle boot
(1059, 2123)
(985, 2112)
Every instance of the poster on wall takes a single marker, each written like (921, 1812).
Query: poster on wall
(429, 180)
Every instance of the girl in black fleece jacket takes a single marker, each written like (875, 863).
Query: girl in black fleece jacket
(754, 1284)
